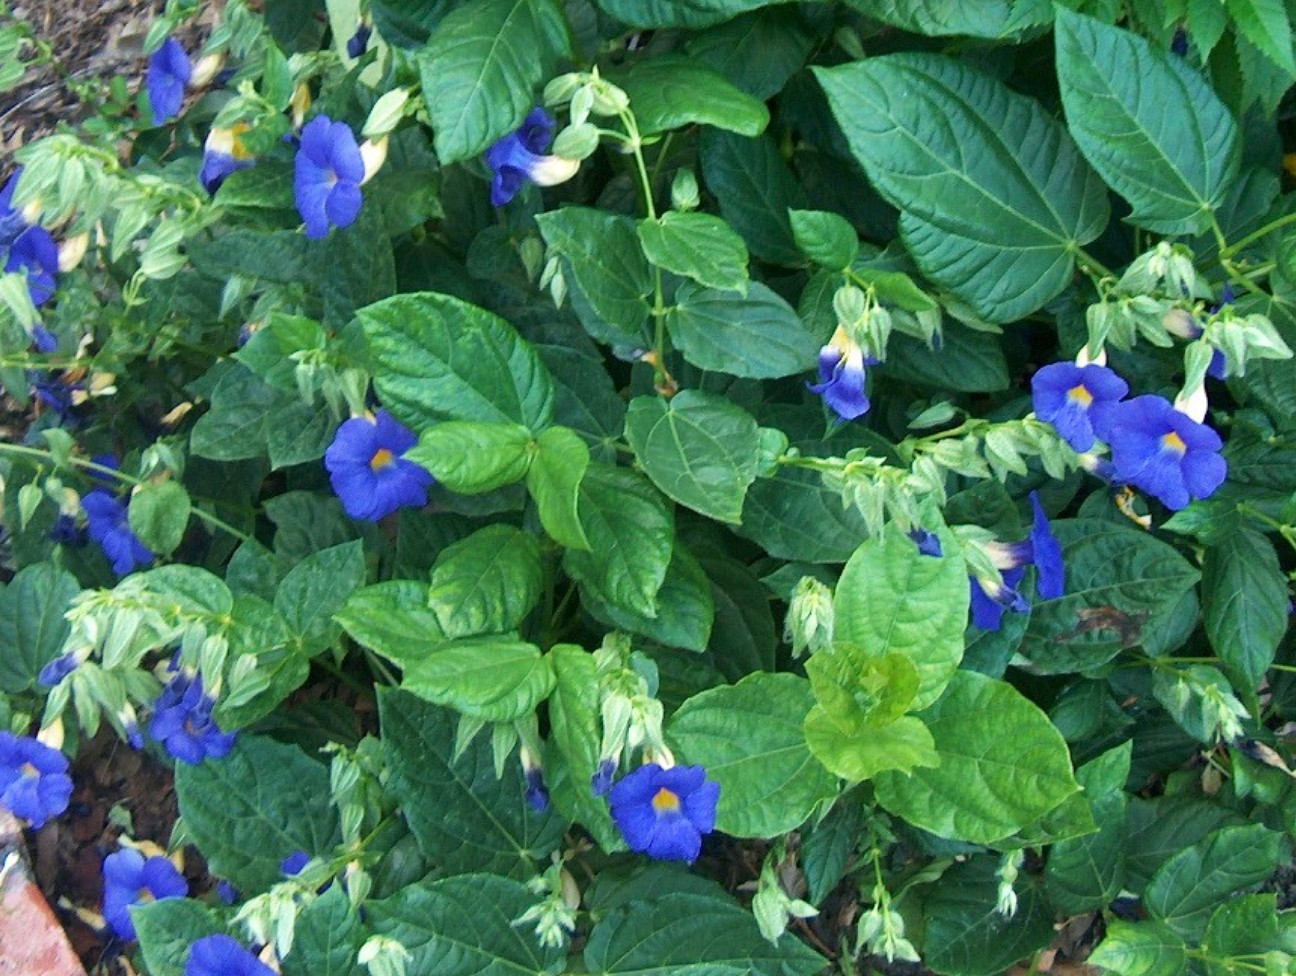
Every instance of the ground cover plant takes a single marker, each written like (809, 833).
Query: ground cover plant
(632, 487)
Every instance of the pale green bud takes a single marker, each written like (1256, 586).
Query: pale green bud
(684, 191)
(386, 114)
(810, 618)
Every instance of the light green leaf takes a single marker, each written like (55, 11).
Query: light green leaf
(994, 196)
(1244, 596)
(480, 69)
(463, 817)
(891, 599)
(1267, 25)
(554, 479)
(574, 725)
(698, 448)
(490, 679)
(1149, 123)
(826, 238)
(757, 335)
(472, 458)
(748, 736)
(438, 358)
(857, 751)
(327, 938)
(394, 619)
(671, 92)
(315, 589)
(755, 189)
(1141, 949)
(486, 583)
(1085, 873)
(698, 246)
(1003, 765)
(32, 628)
(250, 810)
(168, 928)
(158, 515)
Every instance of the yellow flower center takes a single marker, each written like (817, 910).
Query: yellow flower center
(27, 769)
(381, 459)
(1174, 442)
(144, 896)
(1080, 394)
(666, 801)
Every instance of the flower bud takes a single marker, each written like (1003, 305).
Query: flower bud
(577, 141)
(1193, 404)
(206, 68)
(1084, 358)
(552, 170)
(684, 191)
(386, 114)
(374, 155)
(562, 88)
(300, 104)
(72, 250)
(608, 98)
(810, 617)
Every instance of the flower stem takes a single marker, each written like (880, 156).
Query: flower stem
(1269, 228)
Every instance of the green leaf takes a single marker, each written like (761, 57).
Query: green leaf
(168, 928)
(691, 935)
(669, 13)
(758, 335)
(554, 479)
(1187, 887)
(1267, 25)
(281, 664)
(794, 515)
(891, 599)
(631, 531)
(698, 448)
(1244, 596)
(1141, 949)
(1122, 585)
(1002, 766)
(1244, 925)
(465, 926)
(158, 514)
(1160, 828)
(966, 362)
(826, 238)
(32, 627)
(748, 736)
(464, 818)
(1085, 873)
(671, 92)
(743, 638)
(698, 246)
(327, 938)
(301, 433)
(394, 619)
(489, 679)
(758, 51)
(438, 358)
(607, 266)
(473, 458)
(856, 751)
(250, 810)
(480, 68)
(994, 197)
(685, 608)
(574, 729)
(1152, 127)
(827, 846)
(755, 189)
(315, 589)
(946, 18)
(486, 583)
(235, 427)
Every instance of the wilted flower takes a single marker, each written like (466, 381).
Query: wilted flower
(169, 72)
(842, 375)
(520, 157)
(327, 175)
(34, 783)
(223, 153)
(110, 528)
(1077, 400)
(132, 879)
(183, 722)
(220, 955)
(1164, 452)
(367, 471)
(665, 812)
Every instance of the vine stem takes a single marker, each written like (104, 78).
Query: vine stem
(661, 379)
(1091, 266)
(1269, 228)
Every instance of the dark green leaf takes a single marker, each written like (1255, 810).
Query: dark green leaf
(755, 189)
(327, 938)
(315, 589)
(944, 18)
(758, 335)
(685, 607)
(966, 361)
(1085, 873)
(826, 238)
(235, 427)
(670, 92)
(1244, 595)
(826, 848)
(698, 246)
(32, 628)
(1161, 827)
(758, 51)
(793, 515)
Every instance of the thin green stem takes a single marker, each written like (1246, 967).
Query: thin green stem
(661, 379)
(1091, 266)
(1269, 228)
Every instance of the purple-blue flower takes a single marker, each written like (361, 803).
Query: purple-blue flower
(294, 862)
(842, 374)
(56, 670)
(665, 812)
(183, 723)
(110, 528)
(327, 176)
(367, 471)
(1077, 400)
(132, 879)
(1164, 452)
(1040, 548)
(220, 955)
(169, 72)
(223, 153)
(26, 248)
(357, 42)
(990, 599)
(601, 781)
(928, 542)
(520, 158)
(34, 783)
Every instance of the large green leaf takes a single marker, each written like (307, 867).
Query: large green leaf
(315, 589)
(489, 679)
(327, 938)
(32, 628)
(480, 68)
(994, 197)
(748, 736)
(463, 816)
(486, 583)
(1160, 828)
(758, 51)
(794, 515)
(1087, 872)
(756, 335)
(698, 246)
(472, 458)
(699, 448)
(891, 599)
(1149, 123)
(942, 18)
(1003, 765)
(1244, 595)
(394, 619)
(554, 478)
(250, 810)
(1141, 949)
(755, 188)
(1267, 25)
(671, 92)
(465, 926)
(158, 515)
(671, 13)
(439, 358)
(685, 607)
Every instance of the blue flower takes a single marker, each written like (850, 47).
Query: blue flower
(132, 879)
(56, 670)
(1040, 548)
(841, 370)
(327, 176)
(357, 42)
(110, 528)
(12, 222)
(226, 892)
(219, 955)
(223, 153)
(990, 599)
(43, 340)
(294, 862)
(601, 781)
(1077, 400)
(34, 783)
(1164, 452)
(169, 72)
(27, 248)
(520, 158)
(367, 471)
(928, 542)
(66, 531)
(182, 721)
(664, 812)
